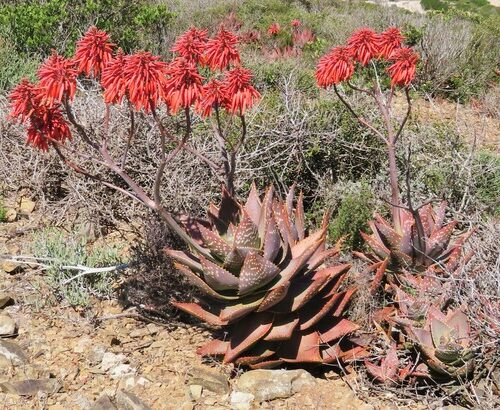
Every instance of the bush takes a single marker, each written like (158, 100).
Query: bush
(3, 211)
(36, 27)
(355, 210)
(487, 181)
(61, 250)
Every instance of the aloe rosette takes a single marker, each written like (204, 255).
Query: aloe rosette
(422, 244)
(263, 278)
(445, 341)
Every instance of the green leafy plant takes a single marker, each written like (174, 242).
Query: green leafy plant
(263, 278)
(63, 256)
(353, 213)
(3, 211)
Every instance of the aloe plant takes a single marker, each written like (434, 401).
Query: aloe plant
(445, 341)
(264, 279)
(422, 244)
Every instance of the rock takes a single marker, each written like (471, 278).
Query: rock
(8, 326)
(103, 403)
(141, 332)
(12, 352)
(26, 206)
(129, 401)
(31, 387)
(210, 379)
(195, 391)
(96, 354)
(121, 370)
(82, 344)
(241, 401)
(10, 215)
(11, 267)
(131, 381)
(5, 299)
(187, 405)
(110, 360)
(274, 384)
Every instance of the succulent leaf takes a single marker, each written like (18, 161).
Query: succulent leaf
(255, 273)
(217, 277)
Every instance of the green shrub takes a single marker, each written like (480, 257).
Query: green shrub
(487, 181)
(61, 250)
(3, 211)
(354, 212)
(36, 27)
(15, 66)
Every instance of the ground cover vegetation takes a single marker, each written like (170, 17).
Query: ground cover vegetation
(318, 140)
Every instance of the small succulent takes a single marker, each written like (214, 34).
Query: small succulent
(389, 371)
(445, 341)
(422, 244)
(263, 278)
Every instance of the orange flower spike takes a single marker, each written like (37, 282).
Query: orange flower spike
(213, 95)
(144, 76)
(221, 50)
(93, 52)
(238, 90)
(24, 99)
(335, 67)
(274, 29)
(402, 71)
(364, 45)
(57, 78)
(184, 86)
(389, 40)
(113, 80)
(191, 45)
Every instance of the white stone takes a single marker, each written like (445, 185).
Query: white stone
(241, 400)
(110, 360)
(7, 326)
(121, 370)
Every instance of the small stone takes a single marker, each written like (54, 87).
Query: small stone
(187, 405)
(121, 370)
(110, 360)
(210, 401)
(11, 267)
(56, 407)
(131, 381)
(26, 206)
(103, 403)
(136, 333)
(31, 387)
(82, 345)
(273, 384)
(5, 299)
(96, 354)
(10, 215)
(153, 329)
(129, 401)
(241, 400)
(210, 379)
(12, 352)
(195, 392)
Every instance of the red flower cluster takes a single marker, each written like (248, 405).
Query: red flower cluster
(221, 50)
(113, 80)
(93, 52)
(191, 45)
(402, 70)
(144, 76)
(364, 45)
(184, 86)
(238, 90)
(274, 29)
(335, 67)
(46, 123)
(388, 41)
(213, 96)
(57, 78)
(296, 23)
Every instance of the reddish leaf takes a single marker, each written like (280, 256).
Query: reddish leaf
(232, 312)
(267, 364)
(439, 219)
(378, 247)
(313, 314)
(217, 277)
(427, 221)
(300, 247)
(213, 348)
(247, 234)
(255, 273)
(201, 313)
(253, 205)
(302, 348)
(274, 296)
(282, 329)
(185, 258)
(266, 210)
(379, 275)
(336, 329)
(439, 240)
(283, 223)
(214, 242)
(243, 337)
(299, 217)
(390, 237)
(289, 199)
(272, 240)
(234, 261)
